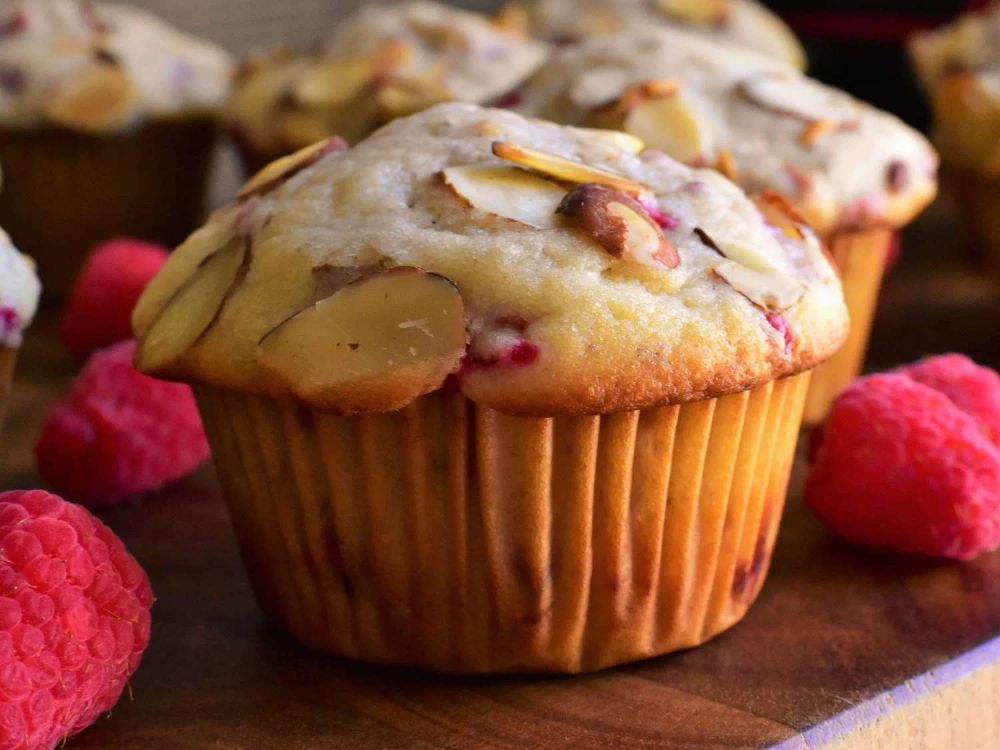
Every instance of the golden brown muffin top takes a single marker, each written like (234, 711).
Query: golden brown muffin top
(540, 269)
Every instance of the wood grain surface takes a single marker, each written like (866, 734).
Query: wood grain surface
(845, 648)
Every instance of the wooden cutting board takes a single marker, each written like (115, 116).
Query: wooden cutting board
(844, 649)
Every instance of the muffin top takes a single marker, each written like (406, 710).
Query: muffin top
(380, 63)
(744, 22)
(842, 163)
(550, 270)
(101, 68)
(959, 66)
(19, 291)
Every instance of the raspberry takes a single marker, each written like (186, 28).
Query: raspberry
(899, 465)
(100, 305)
(74, 619)
(119, 432)
(972, 388)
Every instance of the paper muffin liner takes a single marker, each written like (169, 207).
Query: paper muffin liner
(979, 201)
(8, 360)
(451, 537)
(65, 191)
(861, 257)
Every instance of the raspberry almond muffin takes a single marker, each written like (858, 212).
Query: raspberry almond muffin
(743, 22)
(854, 173)
(487, 394)
(19, 292)
(959, 67)
(380, 63)
(107, 126)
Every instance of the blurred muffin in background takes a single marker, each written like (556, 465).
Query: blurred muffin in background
(107, 125)
(744, 22)
(19, 291)
(380, 63)
(959, 67)
(854, 172)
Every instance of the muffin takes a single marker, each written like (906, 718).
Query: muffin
(380, 63)
(743, 22)
(855, 173)
(107, 125)
(487, 394)
(959, 67)
(19, 291)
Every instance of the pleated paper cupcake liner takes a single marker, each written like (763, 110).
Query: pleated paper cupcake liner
(451, 537)
(8, 360)
(64, 191)
(979, 200)
(861, 257)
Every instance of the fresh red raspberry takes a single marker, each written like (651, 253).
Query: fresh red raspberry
(74, 619)
(972, 388)
(119, 432)
(899, 465)
(100, 304)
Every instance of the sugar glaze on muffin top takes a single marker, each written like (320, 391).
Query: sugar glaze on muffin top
(19, 291)
(593, 276)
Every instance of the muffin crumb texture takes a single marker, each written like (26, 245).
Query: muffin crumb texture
(100, 68)
(540, 269)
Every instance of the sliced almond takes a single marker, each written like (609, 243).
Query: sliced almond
(725, 164)
(744, 253)
(620, 224)
(669, 124)
(508, 192)
(190, 312)
(563, 169)
(513, 18)
(795, 96)
(374, 345)
(815, 130)
(299, 129)
(282, 169)
(402, 97)
(625, 141)
(779, 213)
(102, 98)
(702, 12)
(333, 82)
(599, 86)
(771, 288)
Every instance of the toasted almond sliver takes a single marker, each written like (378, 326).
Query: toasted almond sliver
(796, 96)
(725, 164)
(616, 138)
(567, 170)
(771, 288)
(508, 192)
(669, 125)
(331, 83)
(780, 213)
(513, 18)
(277, 171)
(101, 99)
(816, 129)
(708, 12)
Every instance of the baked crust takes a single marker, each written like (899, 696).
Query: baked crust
(844, 164)
(379, 63)
(556, 324)
(743, 22)
(101, 68)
